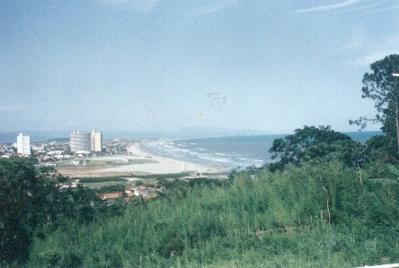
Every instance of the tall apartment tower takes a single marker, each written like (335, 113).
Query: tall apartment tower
(23, 144)
(96, 141)
(80, 142)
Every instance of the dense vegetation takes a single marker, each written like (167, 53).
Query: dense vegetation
(382, 87)
(325, 201)
(33, 205)
(324, 215)
(311, 144)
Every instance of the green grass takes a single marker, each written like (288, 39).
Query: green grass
(162, 176)
(104, 163)
(102, 179)
(277, 220)
(100, 182)
(100, 185)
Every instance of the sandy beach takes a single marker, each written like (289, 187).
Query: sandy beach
(143, 163)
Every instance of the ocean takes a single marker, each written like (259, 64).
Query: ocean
(231, 152)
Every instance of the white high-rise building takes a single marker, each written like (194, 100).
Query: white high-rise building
(96, 141)
(23, 144)
(80, 142)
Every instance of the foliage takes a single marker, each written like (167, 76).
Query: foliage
(163, 176)
(112, 188)
(317, 215)
(102, 179)
(32, 204)
(382, 149)
(379, 85)
(329, 202)
(22, 194)
(315, 143)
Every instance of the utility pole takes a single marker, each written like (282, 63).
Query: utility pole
(396, 90)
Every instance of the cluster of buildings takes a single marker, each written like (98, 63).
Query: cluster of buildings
(7, 150)
(145, 192)
(23, 144)
(21, 148)
(85, 142)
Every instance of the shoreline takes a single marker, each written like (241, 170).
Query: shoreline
(175, 165)
(140, 162)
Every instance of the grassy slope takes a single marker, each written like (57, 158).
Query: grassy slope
(278, 220)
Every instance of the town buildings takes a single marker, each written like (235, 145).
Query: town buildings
(23, 144)
(80, 142)
(96, 141)
(83, 142)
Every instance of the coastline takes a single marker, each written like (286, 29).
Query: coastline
(166, 165)
(140, 162)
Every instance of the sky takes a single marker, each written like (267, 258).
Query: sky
(164, 65)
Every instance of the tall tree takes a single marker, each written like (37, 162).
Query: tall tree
(19, 207)
(382, 87)
(31, 201)
(316, 143)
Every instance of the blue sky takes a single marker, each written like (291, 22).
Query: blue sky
(120, 65)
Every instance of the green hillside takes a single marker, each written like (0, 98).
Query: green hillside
(324, 215)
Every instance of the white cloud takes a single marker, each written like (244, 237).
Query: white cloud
(364, 8)
(215, 8)
(136, 5)
(201, 8)
(344, 4)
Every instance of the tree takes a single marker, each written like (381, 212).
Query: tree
(31, 202)
(20, 213)
(381, 86)
(311, 143)
(382, 149)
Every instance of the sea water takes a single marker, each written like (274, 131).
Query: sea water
(232, 152)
